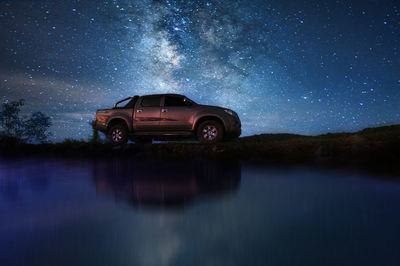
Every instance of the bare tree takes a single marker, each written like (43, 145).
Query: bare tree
(10, 121)
(32, 129)
(35, 128)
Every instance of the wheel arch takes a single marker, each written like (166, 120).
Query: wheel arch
(117, 120)
(209, 117)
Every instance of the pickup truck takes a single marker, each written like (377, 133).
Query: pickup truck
(160, 116)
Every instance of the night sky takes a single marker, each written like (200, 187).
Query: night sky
(306, 67)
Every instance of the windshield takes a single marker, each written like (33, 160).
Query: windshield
(189, 101)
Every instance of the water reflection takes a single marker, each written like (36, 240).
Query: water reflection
(59, 211)
(15, 180)
(165, 184)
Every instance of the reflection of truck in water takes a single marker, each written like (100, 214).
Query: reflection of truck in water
(157, 116)
(156, 183)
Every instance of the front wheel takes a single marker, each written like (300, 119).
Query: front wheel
(210, 131)
(118, 135)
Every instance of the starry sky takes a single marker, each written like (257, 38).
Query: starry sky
(305, 67)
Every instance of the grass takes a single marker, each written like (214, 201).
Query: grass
(370, 145)
(380, 144)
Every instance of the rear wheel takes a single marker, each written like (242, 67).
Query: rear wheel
(210, 131)
(118, 134)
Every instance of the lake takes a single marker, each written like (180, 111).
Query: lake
(65, 211)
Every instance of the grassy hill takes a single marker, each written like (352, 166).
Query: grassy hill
(367, 143)
(381, 144)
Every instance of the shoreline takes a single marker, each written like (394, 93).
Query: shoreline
(372, 147)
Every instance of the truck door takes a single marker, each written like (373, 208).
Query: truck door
(147, 113)
(176, 114)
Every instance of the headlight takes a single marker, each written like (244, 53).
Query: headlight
(230, 112)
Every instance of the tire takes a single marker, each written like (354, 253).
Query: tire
(118, 134)
(210, 131)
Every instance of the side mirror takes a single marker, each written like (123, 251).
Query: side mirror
(187, 102)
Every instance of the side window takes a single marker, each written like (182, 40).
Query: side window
(174, 101)
(151, 101)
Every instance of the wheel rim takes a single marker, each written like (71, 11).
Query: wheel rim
(117, 135)
(209, 132)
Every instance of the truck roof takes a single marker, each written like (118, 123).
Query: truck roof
(162, 94)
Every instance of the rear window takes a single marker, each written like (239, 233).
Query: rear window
(151, 101)
(131, 103)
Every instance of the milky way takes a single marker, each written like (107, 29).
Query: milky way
(304, 67)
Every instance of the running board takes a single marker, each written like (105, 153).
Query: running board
(162, 133)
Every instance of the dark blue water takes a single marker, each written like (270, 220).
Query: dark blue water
(127, 212)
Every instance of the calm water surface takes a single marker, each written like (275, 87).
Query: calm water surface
(126, 212)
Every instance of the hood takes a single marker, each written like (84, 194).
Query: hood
(213, 107)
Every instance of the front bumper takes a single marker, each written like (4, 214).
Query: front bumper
(101, 126)
(234, 129)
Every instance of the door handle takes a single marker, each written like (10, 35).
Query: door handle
(164, 110)
(139, 110)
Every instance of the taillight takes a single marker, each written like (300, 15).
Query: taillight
(100, 118)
